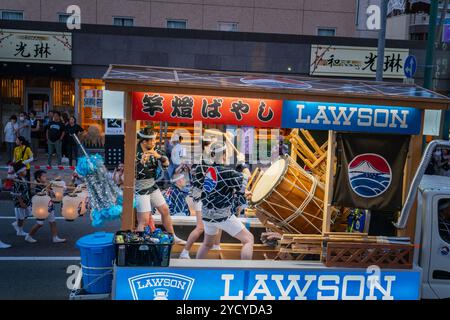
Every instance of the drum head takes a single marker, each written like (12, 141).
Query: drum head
(269, 180)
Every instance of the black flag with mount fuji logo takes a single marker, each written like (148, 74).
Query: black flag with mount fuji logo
(369, 171)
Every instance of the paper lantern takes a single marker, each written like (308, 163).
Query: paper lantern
(40, 204)
(70, 207)
(82, 195)
(58, 187)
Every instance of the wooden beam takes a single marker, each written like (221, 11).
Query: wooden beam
(128, 218)
(326, 225)
(412, 163)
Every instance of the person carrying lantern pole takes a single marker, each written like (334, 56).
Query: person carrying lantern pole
(22, 201)
(41, 179)
(147, 192)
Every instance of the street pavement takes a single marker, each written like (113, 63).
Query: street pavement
(39, 270)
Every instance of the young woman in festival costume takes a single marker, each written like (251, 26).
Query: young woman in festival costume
(196, 196)
(218, 186)
(148, 194)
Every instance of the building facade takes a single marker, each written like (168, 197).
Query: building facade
(309, 17)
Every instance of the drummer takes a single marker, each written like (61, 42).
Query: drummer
(147, 191)
(218, 184)
(196, 196)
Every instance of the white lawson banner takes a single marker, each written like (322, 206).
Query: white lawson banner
(328, 60)
(35, 46)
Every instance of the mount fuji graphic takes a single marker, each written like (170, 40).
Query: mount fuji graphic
(367, 181)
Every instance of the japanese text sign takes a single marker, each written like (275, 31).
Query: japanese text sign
(355, 61)
(35, 46)
(208, 109)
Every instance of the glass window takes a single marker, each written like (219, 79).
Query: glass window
(444, 219)
(62, 17)
(123, 22)
(227, 26)
(328, 32)
(176, 24)
(12, 15)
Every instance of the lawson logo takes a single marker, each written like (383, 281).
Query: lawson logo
(351, 117)
(161, 286)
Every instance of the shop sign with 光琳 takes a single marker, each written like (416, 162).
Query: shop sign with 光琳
(35, 46)
(253, 284)
(152, 106)
(329, 60)
(351, 117)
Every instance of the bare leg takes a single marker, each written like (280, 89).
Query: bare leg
(53, 229)
(196, 233)
(247, 240)
(207, 244)
(20, 223)
(143, 219)
(218, 237)
(165, 218)
(35, 229)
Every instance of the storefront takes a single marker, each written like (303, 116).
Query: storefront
(35, 73)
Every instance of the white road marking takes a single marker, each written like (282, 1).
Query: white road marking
(40, 258)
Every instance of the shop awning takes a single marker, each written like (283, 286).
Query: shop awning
(270, 86)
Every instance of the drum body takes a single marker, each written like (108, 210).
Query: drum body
(290, 197)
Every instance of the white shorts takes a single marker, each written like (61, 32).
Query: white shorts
(22, 213)
(232, 226)
(145, 202)
(50, 218)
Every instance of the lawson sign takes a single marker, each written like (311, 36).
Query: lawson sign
(351, 117)
(250, 284)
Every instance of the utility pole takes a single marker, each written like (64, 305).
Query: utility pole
(381, 41)
(428, 78)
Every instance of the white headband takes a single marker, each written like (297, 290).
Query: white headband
(221, 149)
(22, 170)
(141, 135)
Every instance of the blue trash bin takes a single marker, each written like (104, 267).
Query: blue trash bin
(97, 257)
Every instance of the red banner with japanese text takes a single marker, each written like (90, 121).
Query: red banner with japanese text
(150, 106)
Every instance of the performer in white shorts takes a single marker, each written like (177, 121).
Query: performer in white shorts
(148, 194)
(218, 184)
(196, 196)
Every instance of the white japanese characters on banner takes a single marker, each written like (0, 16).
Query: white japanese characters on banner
(328, 60)
(35, 46)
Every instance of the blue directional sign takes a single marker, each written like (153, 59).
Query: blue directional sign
(410, 66)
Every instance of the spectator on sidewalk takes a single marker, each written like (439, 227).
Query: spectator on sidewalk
(35, 129)
(22, 200)
(41, 177)
(48, 118)
(55, 134)
(24, 126)
(72, 128)
(11, 136)
(24, 154)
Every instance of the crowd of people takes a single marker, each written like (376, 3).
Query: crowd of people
(22, 135)
(57, 129)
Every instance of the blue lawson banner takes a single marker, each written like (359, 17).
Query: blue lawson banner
(351, 117)
(251, 284)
